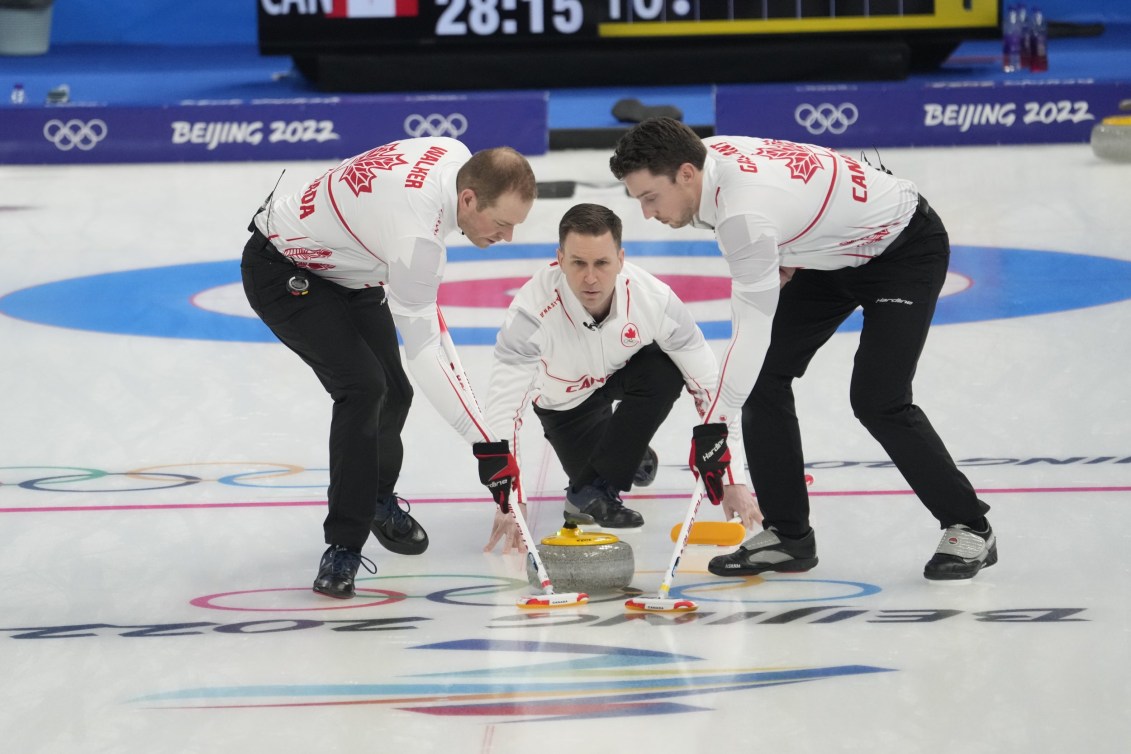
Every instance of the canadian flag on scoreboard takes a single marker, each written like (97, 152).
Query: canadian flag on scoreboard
(373, 8)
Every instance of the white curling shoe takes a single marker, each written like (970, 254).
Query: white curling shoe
(961, 553)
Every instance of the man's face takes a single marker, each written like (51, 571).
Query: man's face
(673, 202)
(484, 226)
(591, 265)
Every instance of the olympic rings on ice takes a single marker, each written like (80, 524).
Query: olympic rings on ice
(56, 479)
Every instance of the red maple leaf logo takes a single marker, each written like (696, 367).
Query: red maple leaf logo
(359, 172)
(300, 252)
(871, 238)
(802, 162)
(629, 336)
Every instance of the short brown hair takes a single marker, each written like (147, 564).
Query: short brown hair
(589, 220)
(658, 145)
(490, 173)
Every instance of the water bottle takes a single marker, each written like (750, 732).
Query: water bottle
(1039, 61)
(19, 96)
(1025, 21)
(1011, 41)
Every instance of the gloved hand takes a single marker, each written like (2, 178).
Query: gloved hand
(498, 470)
(710, 457)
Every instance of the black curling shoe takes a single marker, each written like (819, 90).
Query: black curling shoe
(395, 529)
(337, 571)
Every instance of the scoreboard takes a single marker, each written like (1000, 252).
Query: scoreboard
(610, 41)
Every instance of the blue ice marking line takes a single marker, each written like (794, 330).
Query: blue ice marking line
(157, 302)
(677, 683)
(687, 591)
(615, 692)
(598, 657)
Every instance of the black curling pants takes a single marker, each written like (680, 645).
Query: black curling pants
(348, 338)
(594, 440)
(897, 291)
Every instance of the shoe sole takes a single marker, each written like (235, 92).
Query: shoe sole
(800, 565)
(578, 518)
(991, 558)
(400, 548)
(637, 480)
(604, 525)
(584, 519)
(337, 596)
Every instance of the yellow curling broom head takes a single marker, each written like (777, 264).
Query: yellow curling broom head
(721, 533)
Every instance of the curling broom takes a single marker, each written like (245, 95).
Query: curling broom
(548, 598)
(662, 603)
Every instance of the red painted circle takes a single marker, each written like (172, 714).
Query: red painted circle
(497, 293)
(208, 601)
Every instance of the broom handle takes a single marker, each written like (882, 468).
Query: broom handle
(684, 535)
(449, 347)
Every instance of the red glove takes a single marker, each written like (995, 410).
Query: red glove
(710, 458)
(498, 470)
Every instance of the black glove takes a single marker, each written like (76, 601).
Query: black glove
(498, 470)
(710, 457)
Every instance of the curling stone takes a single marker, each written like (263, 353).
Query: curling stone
(1111, 138)
(581, 561)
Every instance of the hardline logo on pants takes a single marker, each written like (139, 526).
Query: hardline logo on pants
(75, 133)
(435, 124)
(826, 118)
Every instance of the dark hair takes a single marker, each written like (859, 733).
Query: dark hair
(589, 220)
(658, 145)
(490, 173)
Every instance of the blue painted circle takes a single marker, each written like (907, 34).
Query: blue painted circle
(158, 301)
(857, 589)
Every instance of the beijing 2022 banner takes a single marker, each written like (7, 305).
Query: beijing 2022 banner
(941, 114)
(299, 129)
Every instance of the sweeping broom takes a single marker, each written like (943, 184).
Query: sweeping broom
(662, 603)
(548, 598)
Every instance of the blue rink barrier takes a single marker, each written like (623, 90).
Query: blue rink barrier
(931, 114)
(275, 129)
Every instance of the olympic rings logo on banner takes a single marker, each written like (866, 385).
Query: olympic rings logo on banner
(826, 118)
(75, 133)
(435, 124)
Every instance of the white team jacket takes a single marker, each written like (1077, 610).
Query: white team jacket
(549, 350)
(381, 218)
(780, 204)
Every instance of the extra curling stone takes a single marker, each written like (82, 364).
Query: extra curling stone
(579, 561)
(1111, 138)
